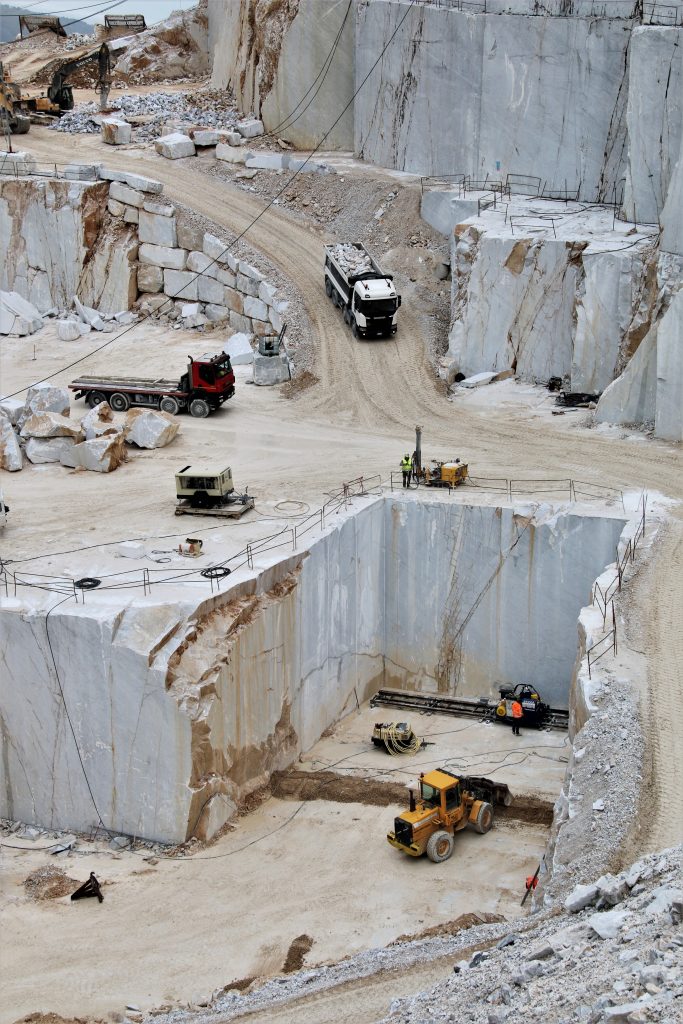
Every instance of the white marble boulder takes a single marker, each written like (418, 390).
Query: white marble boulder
(10, 450)
(44, 398)
(175, 146)
(68, 330)
(100, 455)
(98, 421)
(18, 317)
(269, 370)
(250, 128)
(50, 449)
(51, 424)
(115, 131)
(238, 347)
(147, 428)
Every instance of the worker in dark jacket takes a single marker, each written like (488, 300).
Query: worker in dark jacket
(406, 469)
(516, 717)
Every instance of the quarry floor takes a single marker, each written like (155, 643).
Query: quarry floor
(237, 914)
(175, 931)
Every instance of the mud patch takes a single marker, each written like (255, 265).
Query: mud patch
(351, 789)
(54, 1018)
(296, 954)
(460, 924)
(48, 883)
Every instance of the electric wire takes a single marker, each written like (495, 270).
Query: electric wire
(66, 710)
(289, 120)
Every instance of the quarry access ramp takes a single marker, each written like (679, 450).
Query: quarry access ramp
(384, 389)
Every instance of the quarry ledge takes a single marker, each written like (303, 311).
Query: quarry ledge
(182, 708)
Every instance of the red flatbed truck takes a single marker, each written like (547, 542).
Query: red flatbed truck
(207, 384)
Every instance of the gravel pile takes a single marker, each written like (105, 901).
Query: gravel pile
(150, 113)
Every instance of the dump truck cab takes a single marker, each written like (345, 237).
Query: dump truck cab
(442, 805)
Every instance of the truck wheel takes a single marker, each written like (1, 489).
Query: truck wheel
(119, 402)
(328, 287)
(169, 405)
(94, 398)
(484, 819)
(347, 315)
(440, 846)
(354, 329)
(199, 408)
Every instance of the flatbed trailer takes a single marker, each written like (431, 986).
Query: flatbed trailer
(207, 383)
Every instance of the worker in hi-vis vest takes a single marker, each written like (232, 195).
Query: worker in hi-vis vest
(406, 469)
(516, 717)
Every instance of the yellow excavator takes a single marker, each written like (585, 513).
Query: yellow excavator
(12, 117)
(16, 108)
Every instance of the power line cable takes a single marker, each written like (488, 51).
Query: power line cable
(241, 235)
(290, 119)
(66, 709)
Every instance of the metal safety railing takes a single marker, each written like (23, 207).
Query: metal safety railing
(604, 599)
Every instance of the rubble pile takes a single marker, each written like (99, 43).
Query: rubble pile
(176, 49)
(154, 114)
(352, 260)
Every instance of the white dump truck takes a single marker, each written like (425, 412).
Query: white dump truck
(364, 293)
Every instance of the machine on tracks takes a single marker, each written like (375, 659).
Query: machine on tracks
(542, 716)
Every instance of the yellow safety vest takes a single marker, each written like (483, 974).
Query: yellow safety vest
(406, 464)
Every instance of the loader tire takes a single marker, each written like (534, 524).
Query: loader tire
(484, 819)
(440, 846)
(21, 125)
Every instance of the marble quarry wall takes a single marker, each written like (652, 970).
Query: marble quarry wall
(180, 709)
(547, 307)
(292, 64)
(654, 119)
(57, 241)
(579, 100)
(113, 240)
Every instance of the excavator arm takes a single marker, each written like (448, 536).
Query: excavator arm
(61, 93)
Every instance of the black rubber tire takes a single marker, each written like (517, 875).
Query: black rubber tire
(21, 125)
(484, 820)
(94, 398)
(119, 402)
(440, 846)
(328, 287)
(347, 315)
(354, 329)
(170, 405)
(199, 408)
(200, 499)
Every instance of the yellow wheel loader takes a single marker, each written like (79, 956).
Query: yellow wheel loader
(11, 114)
(445, 804)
